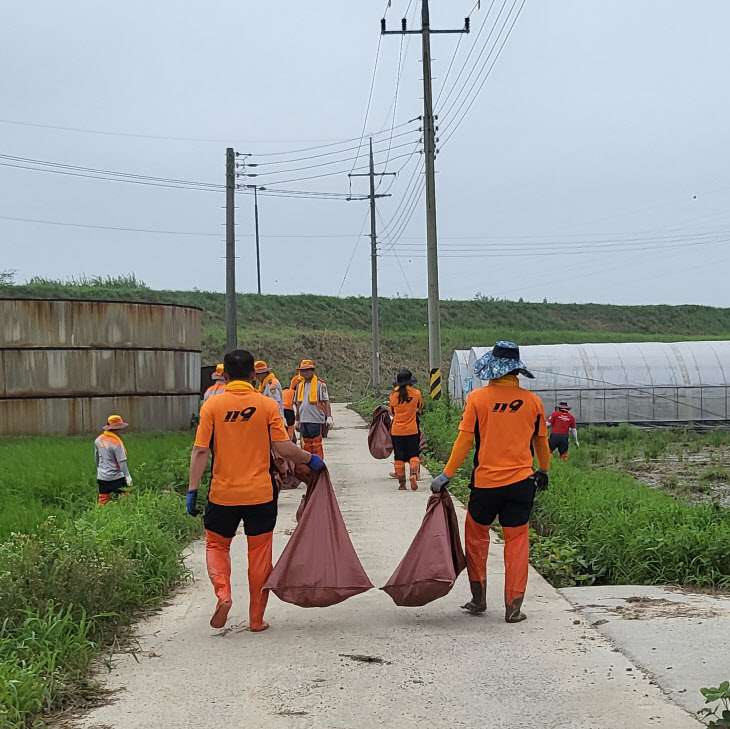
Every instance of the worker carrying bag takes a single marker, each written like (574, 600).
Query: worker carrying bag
(379, 442)
(433, 561)
(286, 474)
(318, 566)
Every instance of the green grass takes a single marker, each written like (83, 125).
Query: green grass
(599, 524)
(72, 574)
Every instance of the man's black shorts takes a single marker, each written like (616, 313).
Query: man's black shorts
(559, 442)
(257, 519)
(512, 504)
(406, 447)
(310, 430)
(118, 486)
(290, 417)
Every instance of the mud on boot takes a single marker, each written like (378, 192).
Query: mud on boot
(478, 602)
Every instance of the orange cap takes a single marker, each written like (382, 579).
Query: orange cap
(218, 374)
(306, 364)
(260, 366)
(115, 422)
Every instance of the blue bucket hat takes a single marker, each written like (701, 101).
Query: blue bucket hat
(502, 360)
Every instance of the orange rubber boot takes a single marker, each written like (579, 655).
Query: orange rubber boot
(400, 473)
(218, 561)
(259, 568)
(104, 499)
(415, 467)
(477, 550)
(516, 566)
(564, 456)
(313, 445)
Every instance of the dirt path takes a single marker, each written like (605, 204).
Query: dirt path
(430, 667)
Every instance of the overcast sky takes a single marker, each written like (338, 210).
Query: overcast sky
(592, 165)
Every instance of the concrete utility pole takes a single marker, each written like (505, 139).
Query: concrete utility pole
(231, 331)
(375, 376)
(429, 141)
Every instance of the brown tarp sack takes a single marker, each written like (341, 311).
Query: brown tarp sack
(422, 443)
(318, 566)
(379, 442)
(433, 561)
(286, 475)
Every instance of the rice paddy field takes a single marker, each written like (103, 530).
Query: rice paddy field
(73, 575)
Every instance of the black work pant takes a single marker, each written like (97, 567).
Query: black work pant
(512, 504)
(257, 518)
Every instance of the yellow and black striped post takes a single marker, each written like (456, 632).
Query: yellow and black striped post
(436, 384)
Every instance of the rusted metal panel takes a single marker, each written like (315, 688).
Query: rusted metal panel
(77, 415)
(79, 372)
(66, 365)
(98, 324)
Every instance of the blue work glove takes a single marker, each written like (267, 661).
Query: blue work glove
(541, 480)
(316, 463)
(440, 482)
(192, 503)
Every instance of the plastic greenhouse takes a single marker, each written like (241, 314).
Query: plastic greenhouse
(458, 375)
(644, 382)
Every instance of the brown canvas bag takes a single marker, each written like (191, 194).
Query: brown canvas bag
(379, 442)
(433, 561)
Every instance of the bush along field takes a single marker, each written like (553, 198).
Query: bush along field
(73, 575)
(597, 523)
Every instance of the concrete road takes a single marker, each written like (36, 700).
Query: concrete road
(429, 667)
(679, 637)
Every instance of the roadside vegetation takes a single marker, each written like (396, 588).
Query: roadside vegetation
(74, 575)
(335, 332)
(597, 524)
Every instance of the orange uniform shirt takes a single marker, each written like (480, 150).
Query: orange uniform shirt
(288, 398)
(240, 426)
(405, 414)
(504, 418)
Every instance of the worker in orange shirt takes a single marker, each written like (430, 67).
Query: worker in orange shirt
(241, 427)
(406, 406)
(314, 412)
(218, 387)
(290, 417)
(507, 422)
(269, 386)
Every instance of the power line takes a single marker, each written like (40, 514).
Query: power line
(484, 80)
(354, 251)
(397, 258)
(338, 151)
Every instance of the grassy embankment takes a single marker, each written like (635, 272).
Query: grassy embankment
(72, 575)
(597, 523)
(336, 332)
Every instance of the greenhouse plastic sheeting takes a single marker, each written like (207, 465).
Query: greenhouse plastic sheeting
(631, 382)
(458, 372)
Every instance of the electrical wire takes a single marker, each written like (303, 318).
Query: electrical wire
(370, 99)
(469, 55)
(397, 258)
(339, 151)
(484, 80)
(354, 251)
(485, 46)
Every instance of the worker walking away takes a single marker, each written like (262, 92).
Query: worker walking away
(269, 386)
(406, 406)
(240, 428)
(561, 423)
(112, 472)
(507, 422)
(218, 387)
(314, 412)
(290, 417)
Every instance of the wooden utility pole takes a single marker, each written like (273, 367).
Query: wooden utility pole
(429, 142)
